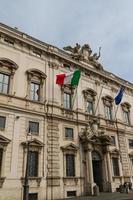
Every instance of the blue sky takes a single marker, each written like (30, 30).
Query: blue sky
(105, 23)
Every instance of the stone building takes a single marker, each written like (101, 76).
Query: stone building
(76, 138)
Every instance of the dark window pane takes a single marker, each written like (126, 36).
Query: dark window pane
(113, 140)
(126, 115)
(130, 142)
(33, 196)
(33, 127)
(108, 112)
(34, 91)
(90, 107)
(2, 122)
(70, 165)
(67, 100)
(115, 166)
(71, 193)
(1, 154)
(33, 164)
(69, 133)
(4, 83)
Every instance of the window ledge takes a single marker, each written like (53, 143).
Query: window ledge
(37, 179)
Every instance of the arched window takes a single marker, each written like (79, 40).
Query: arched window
(36, 83)
(7, 70)
(126, 112)
(108, 107)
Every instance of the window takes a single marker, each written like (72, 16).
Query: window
(108, 112)
(130, 143)
(89, 96)
(33, 127)
(69, 133)
(7, 71)
(36, 84)
(34, 91)
(126, 116)
(67, 100)
(115, 166)
(108, 107)
(90, 109)
(1, 155)
(71, 193)
(33, 196)
(70, 165)
(33, 164)
(4, 83)
(2, 122)
(113, 140)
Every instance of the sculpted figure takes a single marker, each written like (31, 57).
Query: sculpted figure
(73, 50)
(95, 56)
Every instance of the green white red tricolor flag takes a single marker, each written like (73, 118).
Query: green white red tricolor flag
(71, 78)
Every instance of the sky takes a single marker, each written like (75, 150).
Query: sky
(100, 23)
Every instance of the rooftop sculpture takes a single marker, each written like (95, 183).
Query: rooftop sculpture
(84, 53)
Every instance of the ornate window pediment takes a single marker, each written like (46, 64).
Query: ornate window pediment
(33, 143)
(89, 92)
(115, 152)
(11, 65)
(3, 141)
(36, 72)
(70, 147)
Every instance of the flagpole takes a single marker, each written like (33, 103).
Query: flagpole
(74, 96)
(98, 100)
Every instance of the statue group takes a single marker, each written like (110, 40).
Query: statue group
(84, 53)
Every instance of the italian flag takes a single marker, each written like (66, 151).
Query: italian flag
(71, 78)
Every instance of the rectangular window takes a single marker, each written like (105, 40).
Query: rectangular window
(108, 112)
(1, 154)
(69, 133)
(4, 83)
(113, 140)
(33, 196)
(2, 122)
(67, 100)
(130, 143)
(70, 165)
(71, 193)
(33, 127)
(34, 91)
(115, 166)
(33, 164)
(126, 115)
(90, 108)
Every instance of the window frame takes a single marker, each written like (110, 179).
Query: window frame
(67, 137)
(3, 128)
(70, 173)
(116, 168)
(108, 107)
(2, 83)
(39, 78)
(30, 129)
(33, 172)
(125, 108)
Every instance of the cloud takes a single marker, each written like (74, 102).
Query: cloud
(108, 24)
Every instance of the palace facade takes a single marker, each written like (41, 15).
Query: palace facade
(75, 138)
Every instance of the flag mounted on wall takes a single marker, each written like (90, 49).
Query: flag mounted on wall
(71, 78)
(119, 96)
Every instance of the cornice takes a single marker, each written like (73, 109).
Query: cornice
(55, 51)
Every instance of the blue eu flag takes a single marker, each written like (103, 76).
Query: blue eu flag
(119, 96)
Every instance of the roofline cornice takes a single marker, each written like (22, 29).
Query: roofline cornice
(55, 51)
